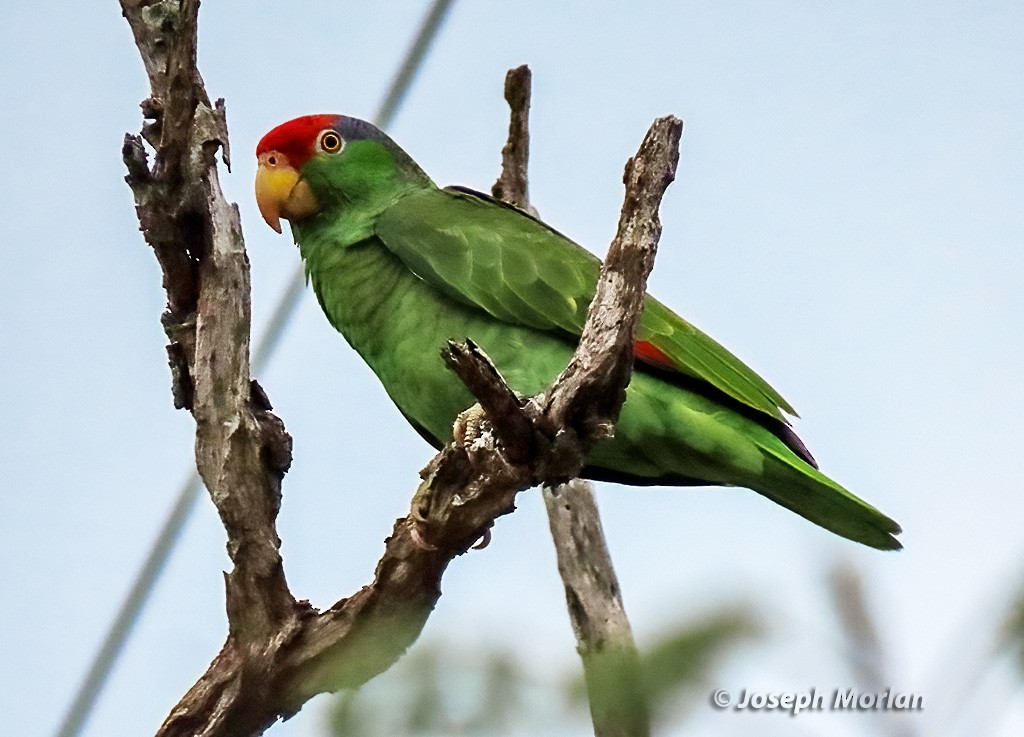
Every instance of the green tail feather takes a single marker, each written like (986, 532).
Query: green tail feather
(813, 495)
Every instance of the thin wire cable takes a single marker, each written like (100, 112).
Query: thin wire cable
(131, 609)
(170, 532)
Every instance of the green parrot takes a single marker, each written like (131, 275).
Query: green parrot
(400, 266)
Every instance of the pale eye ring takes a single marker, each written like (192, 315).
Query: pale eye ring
(330, 142)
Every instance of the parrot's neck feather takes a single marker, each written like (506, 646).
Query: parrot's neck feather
(357, 281)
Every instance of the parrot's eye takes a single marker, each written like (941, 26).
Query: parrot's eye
(330, 142)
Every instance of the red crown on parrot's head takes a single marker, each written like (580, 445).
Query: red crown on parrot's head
(296, 139)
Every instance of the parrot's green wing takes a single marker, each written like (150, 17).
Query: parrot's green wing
(485, 253)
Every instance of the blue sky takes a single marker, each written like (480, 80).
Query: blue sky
(847, 218)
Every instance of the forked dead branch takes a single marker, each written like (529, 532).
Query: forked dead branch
(280, 651)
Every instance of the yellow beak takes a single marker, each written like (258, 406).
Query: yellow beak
(281, 193)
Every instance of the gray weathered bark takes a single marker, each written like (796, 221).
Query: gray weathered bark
(279, 651)
(604, 638)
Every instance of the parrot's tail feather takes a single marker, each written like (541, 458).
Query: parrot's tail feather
(779, 428)
(814, 496)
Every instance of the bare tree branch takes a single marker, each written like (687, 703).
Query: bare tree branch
(604, 639)
(593, 386)
(242, 450)
(594, 600)
(280, 652)
(513, 185)
(504, 408)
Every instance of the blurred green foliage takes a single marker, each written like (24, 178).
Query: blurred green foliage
(684, 663)
(443, 689)
(454, 690)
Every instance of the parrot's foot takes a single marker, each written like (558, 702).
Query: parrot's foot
(468, 430)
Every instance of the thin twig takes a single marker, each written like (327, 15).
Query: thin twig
(513, 184)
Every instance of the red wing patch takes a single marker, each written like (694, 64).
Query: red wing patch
(652, 355)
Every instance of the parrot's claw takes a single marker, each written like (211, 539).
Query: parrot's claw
(484, 540)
